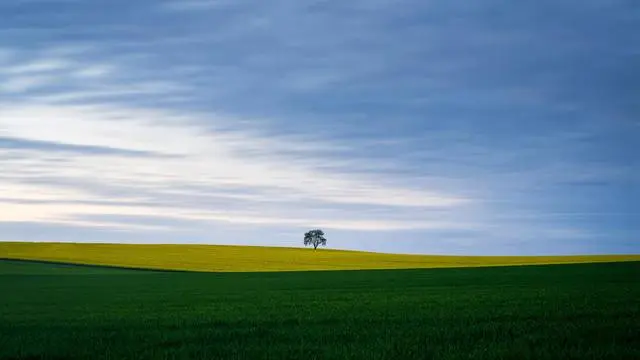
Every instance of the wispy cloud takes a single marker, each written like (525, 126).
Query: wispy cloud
(40, 66)
(164, 151)
(21, 84)
(203, 155)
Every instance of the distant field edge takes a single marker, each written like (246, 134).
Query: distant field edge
(166, 270)
(231, 258)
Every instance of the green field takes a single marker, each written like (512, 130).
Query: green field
(585, 311)
(221, 258)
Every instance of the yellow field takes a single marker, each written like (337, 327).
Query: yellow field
(252, 258)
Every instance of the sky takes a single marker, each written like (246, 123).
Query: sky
(408, 126)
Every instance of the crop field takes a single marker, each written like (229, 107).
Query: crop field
(582, 311)
(247, 258)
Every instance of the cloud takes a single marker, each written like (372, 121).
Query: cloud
(52, 204)
(53, 147)
(39, 66)
(162, 160)
(21, 84)
(202, 153)
(94, 71)
(206, 149)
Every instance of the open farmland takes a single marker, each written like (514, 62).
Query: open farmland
(247, 258)
(584, 311)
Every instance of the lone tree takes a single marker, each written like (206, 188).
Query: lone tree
(315, 238)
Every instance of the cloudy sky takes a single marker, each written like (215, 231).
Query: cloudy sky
(410, 126)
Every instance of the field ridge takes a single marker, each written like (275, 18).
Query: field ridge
(235, 258)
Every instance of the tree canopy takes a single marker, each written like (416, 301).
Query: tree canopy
(315, 238)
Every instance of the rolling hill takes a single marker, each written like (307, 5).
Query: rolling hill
(223, 258)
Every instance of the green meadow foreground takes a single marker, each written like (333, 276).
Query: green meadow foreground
(252, 258)
(583, 311)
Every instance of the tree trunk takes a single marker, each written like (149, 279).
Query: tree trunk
(315, 246)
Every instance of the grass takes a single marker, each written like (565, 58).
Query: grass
(584, 311)
(247, 258)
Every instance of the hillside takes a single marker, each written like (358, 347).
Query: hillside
(224, 258)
